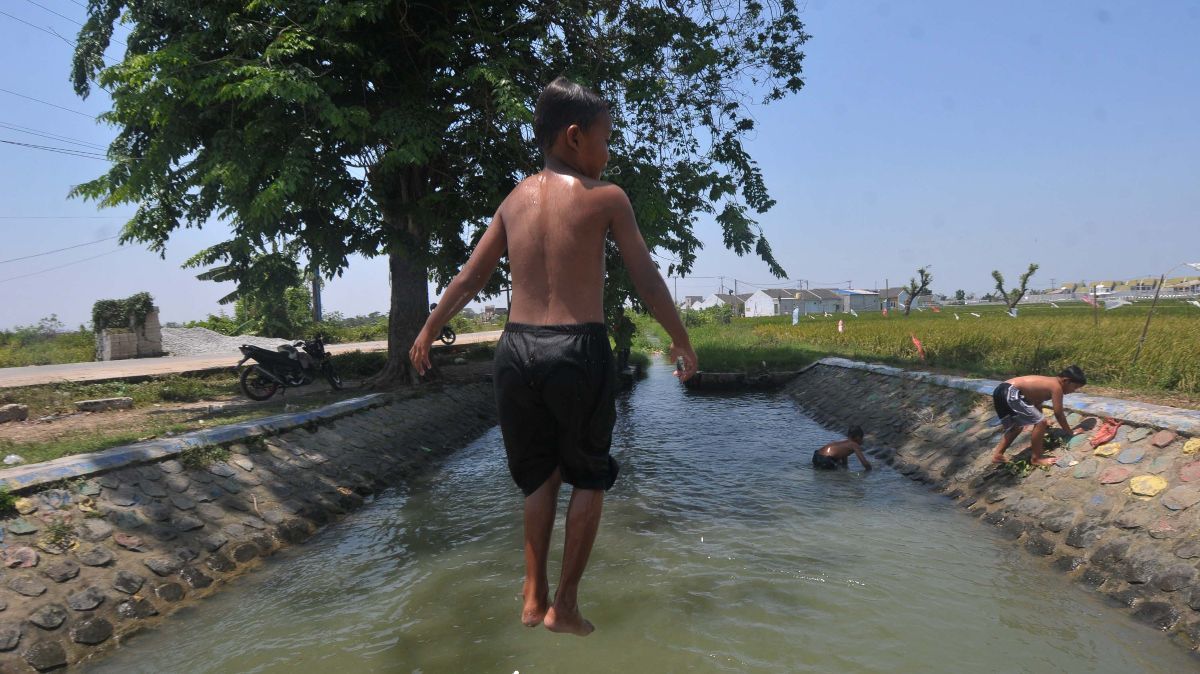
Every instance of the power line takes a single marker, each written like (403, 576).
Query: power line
(52, 136)
(60, 150)
(60, 217)
(64, 16)
(53, 105)
(59, 250)
(37, 27)
(43, 271)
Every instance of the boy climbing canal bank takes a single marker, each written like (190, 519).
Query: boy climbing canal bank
(554, 372)
(836, 455)
(1018, 404)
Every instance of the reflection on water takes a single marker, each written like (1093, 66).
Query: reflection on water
(720, 551)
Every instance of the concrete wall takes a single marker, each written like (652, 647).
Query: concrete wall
(155, 533)
(138, 341)
(1119, 519)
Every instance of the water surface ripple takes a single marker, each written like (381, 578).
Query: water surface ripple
(720, 551)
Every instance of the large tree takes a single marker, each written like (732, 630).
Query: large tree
(384, 126)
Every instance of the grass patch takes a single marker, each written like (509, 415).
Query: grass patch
(60, 397)
(1042, 339)
(8, 501)
(29, 346)
(202, 457)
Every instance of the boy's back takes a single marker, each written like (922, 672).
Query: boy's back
(556, 224)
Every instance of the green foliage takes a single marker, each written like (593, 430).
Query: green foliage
(8, 500)
(126, 313)
(59, 532)
(373, 127)
(960, 295)
(722, 315)
(202, 457)
(45, 344)
(219, 322)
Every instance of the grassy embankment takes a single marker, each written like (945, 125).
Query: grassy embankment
(1041, 339)
(159, 407)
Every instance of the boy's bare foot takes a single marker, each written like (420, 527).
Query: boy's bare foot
(998, 458)
(534, 611)
(567, 622)
(1044, 461)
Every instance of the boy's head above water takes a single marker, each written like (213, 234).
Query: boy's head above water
(572, 125)
(1073, 378)
(855, 433)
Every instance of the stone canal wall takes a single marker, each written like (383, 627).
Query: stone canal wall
(98, 555)
(1118, 518)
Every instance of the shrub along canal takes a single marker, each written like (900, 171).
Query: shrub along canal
(720, 550)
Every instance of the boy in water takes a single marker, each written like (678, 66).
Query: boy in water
(554, 374)
(1018, 403)
(837, 454)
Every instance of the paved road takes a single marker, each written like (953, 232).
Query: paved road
(115, 369)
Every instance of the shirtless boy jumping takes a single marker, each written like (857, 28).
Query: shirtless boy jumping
(554, 372)
(1018, 403)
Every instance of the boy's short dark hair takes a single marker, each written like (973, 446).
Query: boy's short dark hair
(561, 104)
(1075, 374)
(855, 433)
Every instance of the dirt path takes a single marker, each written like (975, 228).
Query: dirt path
(34, 375)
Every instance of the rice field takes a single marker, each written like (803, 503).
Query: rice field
(982, 340)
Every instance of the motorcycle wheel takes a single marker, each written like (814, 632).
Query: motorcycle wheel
(335, 379)
(257, 386)
(448, 335)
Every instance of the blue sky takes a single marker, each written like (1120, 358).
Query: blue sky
(968, 136)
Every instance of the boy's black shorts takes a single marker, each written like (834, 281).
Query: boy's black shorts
(555, 392)
(822, 462)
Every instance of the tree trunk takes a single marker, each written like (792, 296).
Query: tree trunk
(409, 308)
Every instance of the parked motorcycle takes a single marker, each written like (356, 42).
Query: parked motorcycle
(448, 335)
(294, 364)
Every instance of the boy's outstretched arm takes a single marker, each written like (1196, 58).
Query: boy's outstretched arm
(1056, 400)
(462, 289)
(862, 457)
(648, 281)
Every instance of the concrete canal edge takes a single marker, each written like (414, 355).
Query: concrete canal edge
(1120, 519)
(106, 543)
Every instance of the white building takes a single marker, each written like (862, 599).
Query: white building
(771, 302)
(738, 302)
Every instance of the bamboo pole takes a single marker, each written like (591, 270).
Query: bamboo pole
(1095, 307)
(1146, 327)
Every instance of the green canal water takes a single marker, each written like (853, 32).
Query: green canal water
(720, 551)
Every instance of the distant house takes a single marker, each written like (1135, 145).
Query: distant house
(689, 301)
(1182, 286)
(859, 300)
(771, 302)
(819, 301)
(894, 298)
(737, 302)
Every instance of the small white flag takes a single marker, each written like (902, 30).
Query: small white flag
(1194, 265)
(827, 314)
(1054, 305)
(854, 313)
(1012, 313)
(1195, 303)
(1113, 304)
(918, 308)
(957, 318)
(976, 315)
(811, 317)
